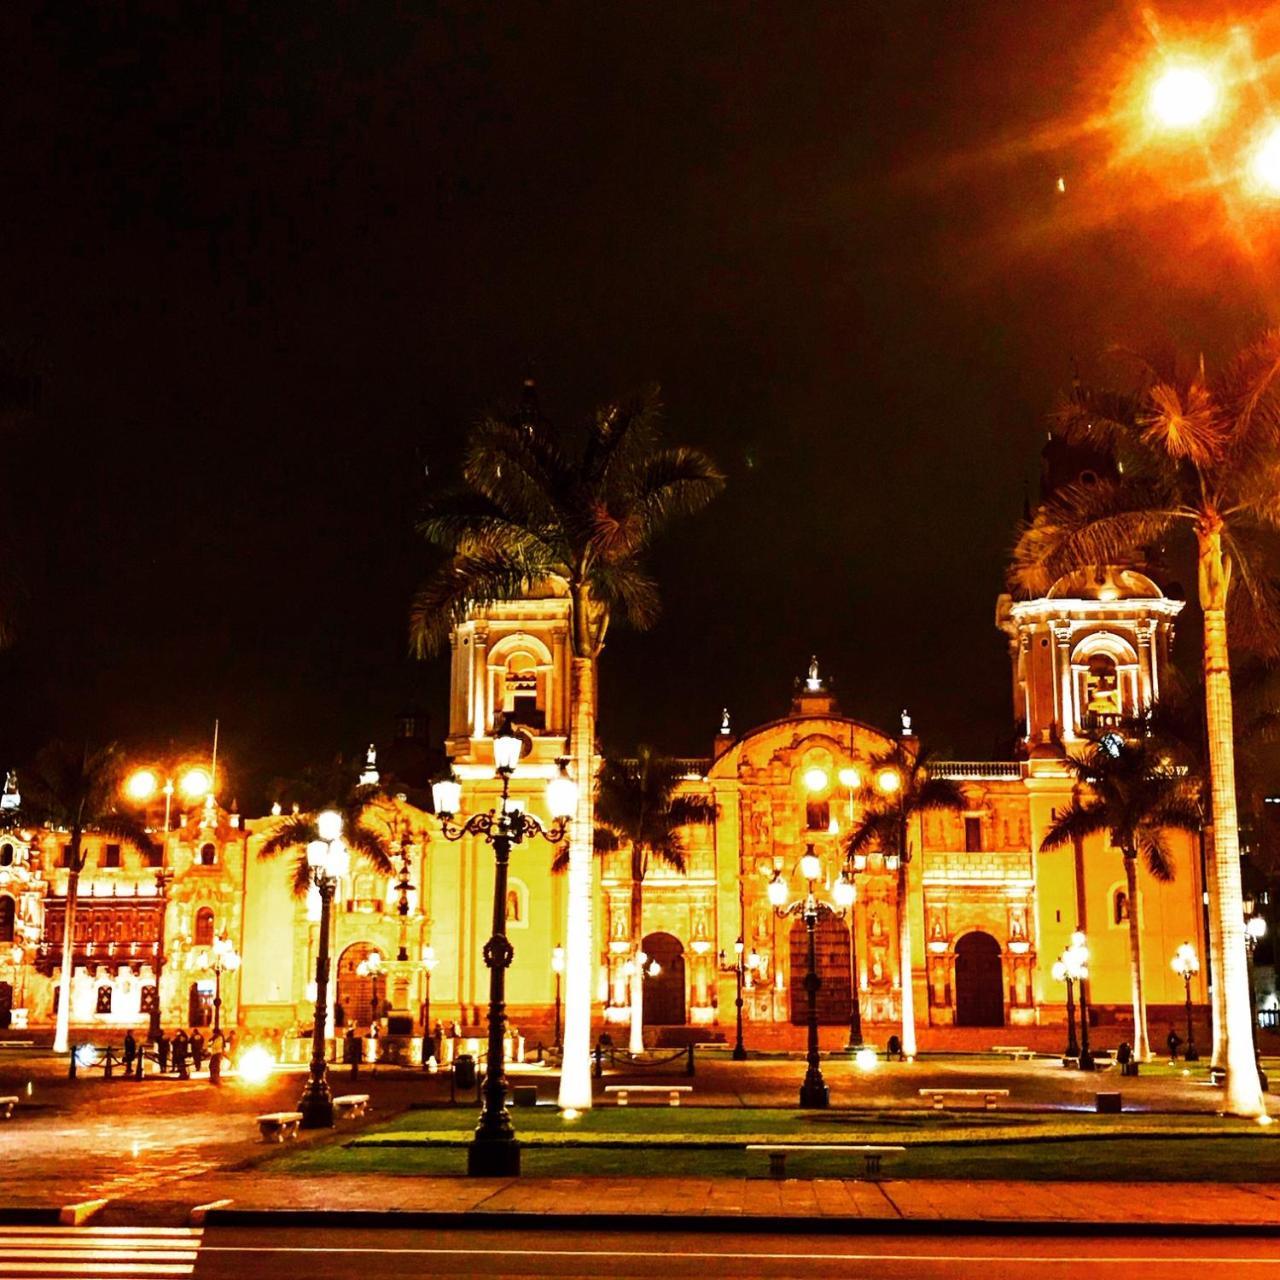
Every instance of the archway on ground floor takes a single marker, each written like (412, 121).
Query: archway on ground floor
(200, 1004)
(664, 992)
(361, 995)
(831, 954)
(979, 981)
(6, 1006)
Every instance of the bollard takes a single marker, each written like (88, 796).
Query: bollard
(71, 1065)
(599, 1060)
(689, 1068)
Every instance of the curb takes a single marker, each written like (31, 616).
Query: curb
(479, 1220)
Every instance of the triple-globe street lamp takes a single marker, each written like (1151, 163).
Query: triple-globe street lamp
(744, 962)
(222, 957)
(1255, 929)
(327, 862)
(1073, 967)
(810, 908)
(1186, 964)
(494, 1151)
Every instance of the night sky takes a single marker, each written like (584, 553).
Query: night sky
(269, 261)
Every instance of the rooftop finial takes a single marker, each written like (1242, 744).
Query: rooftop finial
(369, 778)
(907, 731)
(814, 682)
(725, 731)
(10, 798)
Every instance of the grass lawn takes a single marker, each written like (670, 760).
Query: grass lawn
(708, 1142)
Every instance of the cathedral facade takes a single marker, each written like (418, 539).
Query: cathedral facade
(989, 914)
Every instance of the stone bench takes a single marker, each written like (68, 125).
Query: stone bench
(350, 1105)
(778, 1152)
(276, 1126)
(940, 1096)
(674, 1090)
(1014, 1051)
(7, 1105)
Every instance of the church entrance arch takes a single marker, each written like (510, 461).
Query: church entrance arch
(664, 992)
(831, 953)
(6, 1006)
(356, 992)
(979, 982)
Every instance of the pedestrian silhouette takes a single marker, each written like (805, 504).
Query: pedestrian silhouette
(162, 1051)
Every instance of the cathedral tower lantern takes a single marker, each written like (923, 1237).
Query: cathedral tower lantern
(1092, 651)
(510, 660)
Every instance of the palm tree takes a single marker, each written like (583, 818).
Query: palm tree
(1201, 454)
(331, 787)
(542, 507)
(75, 788)
(1134, 795)
(906, 788)
(638, 809)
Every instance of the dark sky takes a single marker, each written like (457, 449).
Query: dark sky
(271, 260)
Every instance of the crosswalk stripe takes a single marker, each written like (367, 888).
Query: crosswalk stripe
(79, 1253)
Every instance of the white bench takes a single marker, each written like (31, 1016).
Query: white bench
(351, 1104)
(1014, 1051)
(674, 1090)
(276, 1126)
(778, 1152)
(7, 1105)
(940, 1096)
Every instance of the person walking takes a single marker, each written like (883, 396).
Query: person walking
(162, 1051)
(351, 1051)
(1174, 1042)
(130, 1051)
(197, 1048)
(180, 1044)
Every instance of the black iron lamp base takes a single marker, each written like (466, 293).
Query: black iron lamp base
(814, 1093)
(739, 1053)
(493, 1158)
(1191, 1055)
(316, 1105)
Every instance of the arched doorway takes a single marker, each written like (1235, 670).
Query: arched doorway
(6, 1006)
(361, 995)
(200, 1003)
(979, 982)
(664, 993)
(831, 953)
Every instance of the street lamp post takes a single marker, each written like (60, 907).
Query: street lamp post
(429, 962)
(327, 862)
(371, 967)
(1073, 966)
(1060, 974)
(1255, 929)
(813, 1091)
(221, 958)
(494, 1151)
(557, 967)
(744, 962)
(851, 780)
(1186, 964)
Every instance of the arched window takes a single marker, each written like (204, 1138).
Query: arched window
(104, 999)
(6, 855)
(517, 904)
(7, 911)
(1101, 692)
(1120, 907)
(520, 691)
(208, 855)
(204, 927)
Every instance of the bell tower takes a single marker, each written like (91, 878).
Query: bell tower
(510, 659)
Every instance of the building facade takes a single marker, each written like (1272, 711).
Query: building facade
(989, 913)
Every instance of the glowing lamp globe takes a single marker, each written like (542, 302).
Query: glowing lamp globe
(815, 779)
(317, 854)
(778, 891)
(889, 781)
(1183, 97)
(195, 784)
(844, 892)
(141, 785)
(562, 795)
(557, 959)
(866, 1060)
(850, 777)
(329, 825)
(256, 1065)
(1265, 166)
(506, 750)
(738, 946)
(1059, 971)
(1256, 927)
(446, 796)
(811, 866)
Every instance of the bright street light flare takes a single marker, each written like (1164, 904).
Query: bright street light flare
(141, 785)
(1183, 97)
(1265, 165)
(195, 783)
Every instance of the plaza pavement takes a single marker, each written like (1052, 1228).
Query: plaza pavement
(156, 1149)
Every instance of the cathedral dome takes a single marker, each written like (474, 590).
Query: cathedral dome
(1106, 583)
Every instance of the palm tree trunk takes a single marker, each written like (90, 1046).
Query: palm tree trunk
(575, 1068)
(1243, 1091)
(62, 1028)
(1141, 1040)
(1217, 1005)
(904, 957)
(637, 976)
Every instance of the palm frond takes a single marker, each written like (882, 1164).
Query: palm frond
(1156, 855)
(877, 828)
(670, 849)
(127, 831)
(1079, 820)
(372, 846)
(295, 831)
(1184, 423)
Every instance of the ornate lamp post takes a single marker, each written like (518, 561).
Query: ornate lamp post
(1062, 974)
(744, 962)
(163, 878)
(429, 962)
(371, 967)
(403, 889)
(327, 861)
(222, 957)
(1186, 964)
(851, 781)
(494, 1152)
(557, 967)
(1075, 959)
(814, 1091)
